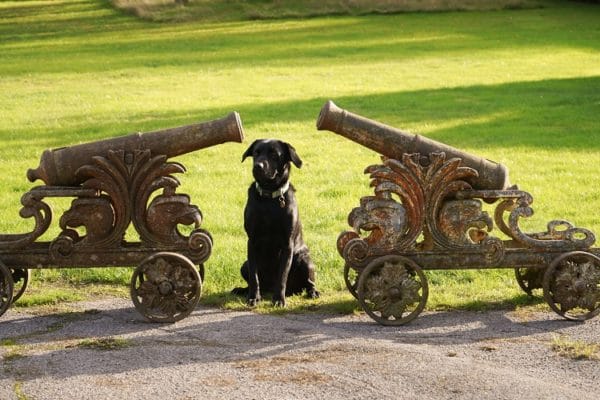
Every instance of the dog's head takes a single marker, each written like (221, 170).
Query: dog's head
(272, 160)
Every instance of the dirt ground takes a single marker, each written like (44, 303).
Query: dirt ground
(106, 350)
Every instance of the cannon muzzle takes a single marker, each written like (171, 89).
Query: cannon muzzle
(58, 167)
(392, 143)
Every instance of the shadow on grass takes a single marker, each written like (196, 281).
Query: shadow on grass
(551, 114)
(94, 37)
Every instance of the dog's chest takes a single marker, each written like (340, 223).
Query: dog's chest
(264, 218)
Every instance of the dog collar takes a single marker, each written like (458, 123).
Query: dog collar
(277, 194)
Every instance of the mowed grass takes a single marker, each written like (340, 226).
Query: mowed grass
(235, 10)
(521, 87)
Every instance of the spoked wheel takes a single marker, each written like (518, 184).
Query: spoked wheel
(20, 280)
(572, 285)
(165, 287)
(529, 279)
(351, 279)
(392, 290)
(6, 288)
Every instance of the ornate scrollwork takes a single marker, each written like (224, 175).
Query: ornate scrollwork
(424, 186)
(352, 247)
(560, 234)
(356, 251)
(493, 249)
(200, 243)
(61, 247)
(127, 182)
(33, 207)
(438, 206)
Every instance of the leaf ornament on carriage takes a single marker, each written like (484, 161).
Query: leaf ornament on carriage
(452, 224)
(424, 186)
(157, 224)
(127, 180)
(108, 175)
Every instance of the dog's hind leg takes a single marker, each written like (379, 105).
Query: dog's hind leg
(302, 276)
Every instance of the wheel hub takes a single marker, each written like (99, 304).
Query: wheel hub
(394, 293)
(165, 288)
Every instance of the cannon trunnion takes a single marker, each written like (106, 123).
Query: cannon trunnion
(427, 213)
(116, 183)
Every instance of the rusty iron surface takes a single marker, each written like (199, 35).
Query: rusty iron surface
(393, 143)
(59, 167)
(427, 213)
(115, 184)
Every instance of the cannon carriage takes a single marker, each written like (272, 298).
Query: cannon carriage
(427, 213)
(113, 184)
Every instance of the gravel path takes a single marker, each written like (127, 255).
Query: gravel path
(216, 354)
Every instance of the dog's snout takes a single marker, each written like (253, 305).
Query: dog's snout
(259, 167)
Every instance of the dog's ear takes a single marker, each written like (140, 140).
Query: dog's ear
(248, 152)
(293, 156)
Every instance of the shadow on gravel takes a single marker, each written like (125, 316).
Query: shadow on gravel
(240, 339)
(460, 327)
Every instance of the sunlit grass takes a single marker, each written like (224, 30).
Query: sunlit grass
(519, 87)
(575, 349)
(226, 10)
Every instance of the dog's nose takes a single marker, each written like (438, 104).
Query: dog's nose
(260, 165)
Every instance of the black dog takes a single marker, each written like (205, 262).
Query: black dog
(278, 260)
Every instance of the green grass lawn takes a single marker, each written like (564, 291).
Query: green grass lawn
(235, 10)
(521, 87)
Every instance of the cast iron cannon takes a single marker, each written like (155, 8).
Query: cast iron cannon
(426, 214)
(116, 183)
(393, 143)
(58, 167)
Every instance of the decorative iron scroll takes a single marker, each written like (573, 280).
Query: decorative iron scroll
(33, 207)
(127, 180)
(426, 203)
(117, 190)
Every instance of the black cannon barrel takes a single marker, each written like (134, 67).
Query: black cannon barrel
(58, 166)
(392, 142)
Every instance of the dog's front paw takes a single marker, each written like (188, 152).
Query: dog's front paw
(279, 302)
(252, 301)
(313, 294)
